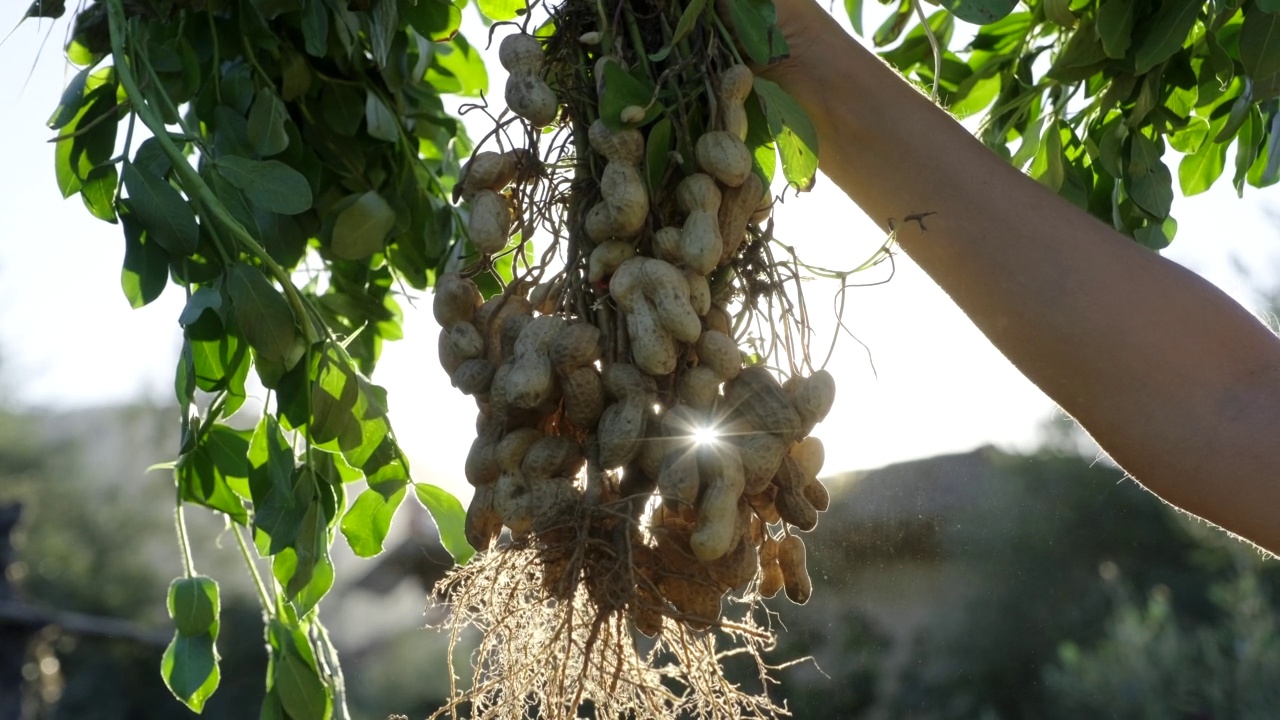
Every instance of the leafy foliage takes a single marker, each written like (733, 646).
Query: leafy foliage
(1093, 96)
(279, 132)
(1153, 663)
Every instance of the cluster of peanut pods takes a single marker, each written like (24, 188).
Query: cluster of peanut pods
(656, 403)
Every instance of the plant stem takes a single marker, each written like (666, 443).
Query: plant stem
(640, 50)
(934, 46)
(180, 524)
(263, 598)
(337, 683)
(191, 180)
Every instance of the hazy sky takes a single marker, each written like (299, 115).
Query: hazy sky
(68, 337)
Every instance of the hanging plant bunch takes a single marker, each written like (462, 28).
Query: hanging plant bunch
(643, 463)
(286, 166)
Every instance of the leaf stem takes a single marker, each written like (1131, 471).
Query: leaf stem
(641, 52)
(726, 36)
(216, 75)
(191, 180)
(934, 46)
(263, 598)
(337, 683)
(81, 130)
(180, 525)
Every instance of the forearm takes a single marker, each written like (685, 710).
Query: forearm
(1175, 380)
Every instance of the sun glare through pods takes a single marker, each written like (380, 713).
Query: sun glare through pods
(705, 435)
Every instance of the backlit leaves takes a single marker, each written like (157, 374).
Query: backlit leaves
(269, 184)
(263, 315)
(190, 662)
(755, 25)
(796, 138)
(1260, 44)
(329, 155)
(450, 519)
(980, 12)
(161, 210)
(1123, 79)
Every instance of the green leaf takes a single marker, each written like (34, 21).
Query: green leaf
(146, 265)
(384, 25)
(217, 352)
(432, 19)
(853, 8)
(300, 689)
(1081, 56)
(282, 493)
(1190, 138)
(194, 605)
(1115, 26)
(205, 475)
(271, 707)
(89, 139)
(793, 131)
(46, 9)
(315, 28)
(162, 211)
(369, 519)
(450, 519)
(99, 192)
(304, 568)
(190, 669)
(1030, 143)
(204, 298)
(1247, 146)
(1047, 168)
(457, 68)
(380, 121)
(360, 230)
(764, 151)
(1197, 172)
(1219, 60)
(269, 184)
(1260, 44)
(73, 98)
(1157, 235)
(266, 124)
(1147, 179)
(979, 12)
(334, 392)
(658, 148)
(755, 25)
(1265, 171)
(688, 19)
(1239, 113)
(263, 315)
(1166, 33)
(1059, 13)
(893, 26)
(621, 90)
(499, 10)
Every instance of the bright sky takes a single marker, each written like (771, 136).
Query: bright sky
(68, 337)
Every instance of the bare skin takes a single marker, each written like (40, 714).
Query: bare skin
(1175, 380)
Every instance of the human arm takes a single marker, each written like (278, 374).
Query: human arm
(1176, 381)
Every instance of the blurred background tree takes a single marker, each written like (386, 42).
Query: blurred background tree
(978, 585)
